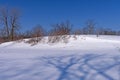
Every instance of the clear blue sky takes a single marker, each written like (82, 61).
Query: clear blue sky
(106, 13)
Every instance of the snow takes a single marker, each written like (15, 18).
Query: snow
(86, 58)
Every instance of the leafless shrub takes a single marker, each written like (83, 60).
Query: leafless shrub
(60, 32)
(76, 33)
(32, 41)
(37, 34)
(19, 38)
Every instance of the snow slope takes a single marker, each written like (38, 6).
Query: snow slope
(86, 58)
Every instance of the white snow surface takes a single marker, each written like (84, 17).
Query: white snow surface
(86, 58)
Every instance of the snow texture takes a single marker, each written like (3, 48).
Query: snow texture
(86, 58)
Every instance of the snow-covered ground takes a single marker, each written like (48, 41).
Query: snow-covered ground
(86, 58)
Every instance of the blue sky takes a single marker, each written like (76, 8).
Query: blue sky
(106, 13)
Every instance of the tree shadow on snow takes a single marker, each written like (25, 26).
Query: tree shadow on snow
(70, 67)
(85, 67)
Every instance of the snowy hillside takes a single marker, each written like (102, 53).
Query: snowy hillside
(86, 58)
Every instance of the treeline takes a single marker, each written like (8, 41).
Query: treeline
(10, 29)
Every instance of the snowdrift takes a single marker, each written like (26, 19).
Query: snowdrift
(86, 57)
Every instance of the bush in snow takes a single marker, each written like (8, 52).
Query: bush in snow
(60, 32)
(38, 34)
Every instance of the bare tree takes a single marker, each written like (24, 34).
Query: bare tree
(99, 31)
(9, 20)
(118, 33)
(90, 26)
(84, 30)
(2, 33)
(4, 18)
(14, 25)
(109, 32)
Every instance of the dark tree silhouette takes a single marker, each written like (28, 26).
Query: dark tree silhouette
(9, 20)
